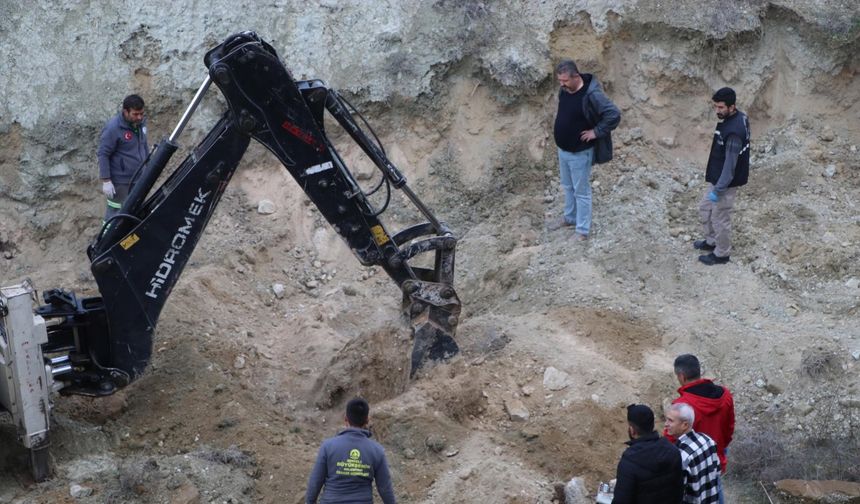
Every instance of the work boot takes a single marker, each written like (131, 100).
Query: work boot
(703, 245)
(712, 259)
(559, 223)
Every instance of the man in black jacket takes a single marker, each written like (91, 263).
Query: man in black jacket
(649, 471)
(582, 131)
(728, 168)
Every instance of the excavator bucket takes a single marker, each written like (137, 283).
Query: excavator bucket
(431, 343)
(434, 311)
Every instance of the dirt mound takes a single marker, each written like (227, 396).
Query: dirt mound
(374, 366)
(620, 337)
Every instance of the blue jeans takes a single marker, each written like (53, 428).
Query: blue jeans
(575, 170)
(720, 486)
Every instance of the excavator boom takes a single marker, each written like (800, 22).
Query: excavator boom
(96, 345)
(141, 252)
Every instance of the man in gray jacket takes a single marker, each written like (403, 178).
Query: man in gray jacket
(585, 119)
(122, 149)
(348, 463)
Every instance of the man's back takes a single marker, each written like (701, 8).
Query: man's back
(347, 464)
(649, 472)
(715, 412)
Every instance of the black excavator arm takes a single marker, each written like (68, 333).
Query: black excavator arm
(104, 343)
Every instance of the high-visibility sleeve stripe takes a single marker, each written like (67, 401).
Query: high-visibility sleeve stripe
(114, 204)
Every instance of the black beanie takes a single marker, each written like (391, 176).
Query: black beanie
(725, 95)
(642, 417)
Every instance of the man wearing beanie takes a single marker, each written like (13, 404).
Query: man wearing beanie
(649, 471)
(728, 169)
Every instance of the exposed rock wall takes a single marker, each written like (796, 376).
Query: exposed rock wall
(68, 64)
(415, 67)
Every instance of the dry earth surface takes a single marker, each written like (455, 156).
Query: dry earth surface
(245, 383)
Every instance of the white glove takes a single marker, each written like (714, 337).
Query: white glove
(108, 189)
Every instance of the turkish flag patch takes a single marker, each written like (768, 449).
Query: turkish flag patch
(127, 136)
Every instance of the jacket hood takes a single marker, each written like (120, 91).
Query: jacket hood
(591, 83)
(355, 431)
(708, 397)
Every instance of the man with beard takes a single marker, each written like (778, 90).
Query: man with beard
(649, 471)
(728, 169)
(122, 149)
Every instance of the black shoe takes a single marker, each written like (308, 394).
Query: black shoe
(703, 245)
(712, 259)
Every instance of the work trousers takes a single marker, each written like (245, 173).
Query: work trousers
(716, 219)
(114, 204)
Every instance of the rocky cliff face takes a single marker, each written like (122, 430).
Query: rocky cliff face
(67, 64)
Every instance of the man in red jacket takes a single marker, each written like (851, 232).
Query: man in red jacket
(713, 404)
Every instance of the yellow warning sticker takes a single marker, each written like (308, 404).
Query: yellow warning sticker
(129, 241)
(379, 235)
